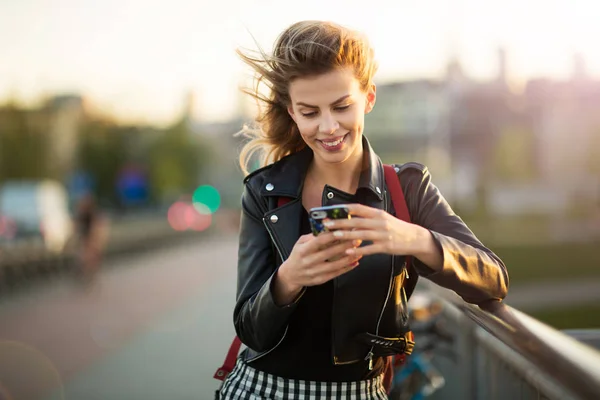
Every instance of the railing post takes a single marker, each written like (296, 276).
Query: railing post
(470, 364)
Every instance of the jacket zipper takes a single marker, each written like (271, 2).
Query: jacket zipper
(261, 355)
(369, 356)
(286, 328)
(273, 239)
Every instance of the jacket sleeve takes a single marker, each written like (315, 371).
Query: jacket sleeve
(469, 269)
(259, 322)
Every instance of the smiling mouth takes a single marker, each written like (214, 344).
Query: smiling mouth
(333, 143)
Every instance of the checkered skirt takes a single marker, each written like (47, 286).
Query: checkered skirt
(247, 383)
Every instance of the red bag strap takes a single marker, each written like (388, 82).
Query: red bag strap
(282, 201)
(393, 184)
(229, 363)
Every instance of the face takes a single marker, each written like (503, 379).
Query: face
(329, 110)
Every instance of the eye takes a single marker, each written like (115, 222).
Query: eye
(309, 114)
(342, 108)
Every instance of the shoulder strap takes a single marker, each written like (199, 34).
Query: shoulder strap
(282, 201)
(229, 363)
(393, 184)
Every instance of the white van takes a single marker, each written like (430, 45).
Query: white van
(37, 209)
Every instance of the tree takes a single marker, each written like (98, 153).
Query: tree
(23, 150)
(177, 160)
(102, 154)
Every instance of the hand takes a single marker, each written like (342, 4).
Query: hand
(387, 233)
(312, 262)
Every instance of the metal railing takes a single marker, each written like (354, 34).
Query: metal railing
(505, 354)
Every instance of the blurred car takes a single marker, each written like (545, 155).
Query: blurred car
(36, 209)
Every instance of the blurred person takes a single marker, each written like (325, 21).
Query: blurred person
(91, 233)
(303, 318)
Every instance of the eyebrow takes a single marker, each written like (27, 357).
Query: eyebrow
(334, 103)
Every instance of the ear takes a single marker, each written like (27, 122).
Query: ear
(371, 98)
(290, 111)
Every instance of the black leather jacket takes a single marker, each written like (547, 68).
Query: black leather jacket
(368, 299)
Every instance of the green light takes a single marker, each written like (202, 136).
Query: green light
(208, 197)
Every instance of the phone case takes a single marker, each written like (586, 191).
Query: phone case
(318, 215)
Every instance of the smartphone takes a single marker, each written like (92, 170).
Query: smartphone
(318, 215)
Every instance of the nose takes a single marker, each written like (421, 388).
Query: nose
(328, 124)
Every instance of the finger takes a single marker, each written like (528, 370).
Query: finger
(329, 252)
(356, 223)
(312, 244)
(325, 239)
(356, 243)
(375, 248)
(305, 238)
(330, 270)
(363, 235)
(360, 210)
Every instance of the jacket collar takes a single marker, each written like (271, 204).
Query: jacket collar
(286, 177)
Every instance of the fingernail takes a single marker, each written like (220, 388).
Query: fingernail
(338, 233)
(328, 224)
(350, 251)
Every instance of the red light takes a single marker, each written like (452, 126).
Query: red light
(177, 216)
(183, 216)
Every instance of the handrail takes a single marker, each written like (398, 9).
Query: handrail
(568, 362)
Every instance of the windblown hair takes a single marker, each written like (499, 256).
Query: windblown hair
(304, 49)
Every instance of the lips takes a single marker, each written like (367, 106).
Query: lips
(332, 142)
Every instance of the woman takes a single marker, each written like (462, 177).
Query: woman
(307, 321)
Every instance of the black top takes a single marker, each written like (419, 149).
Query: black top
(306, 351)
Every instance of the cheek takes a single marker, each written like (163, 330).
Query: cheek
(353, 121)
(307, 128)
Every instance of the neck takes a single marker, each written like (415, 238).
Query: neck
(343, 176)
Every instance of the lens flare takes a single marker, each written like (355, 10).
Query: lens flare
(183, 216)
(177, 215)
(209, 197)
(20, 362)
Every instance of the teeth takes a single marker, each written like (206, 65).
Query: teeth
(332, 144)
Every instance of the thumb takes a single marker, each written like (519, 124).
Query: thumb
(305, 238)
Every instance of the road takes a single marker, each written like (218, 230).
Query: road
(153, 326)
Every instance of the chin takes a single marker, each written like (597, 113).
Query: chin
(336, 157)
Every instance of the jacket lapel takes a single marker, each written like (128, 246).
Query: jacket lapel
(286, 179)
(284, 225)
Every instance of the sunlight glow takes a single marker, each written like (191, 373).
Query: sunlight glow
(136, 60)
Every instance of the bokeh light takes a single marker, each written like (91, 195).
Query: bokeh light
(206, 198)
(22, 362)
(183, 216)
(202, 217)
(177, 216)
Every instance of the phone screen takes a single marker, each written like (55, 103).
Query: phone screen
(319, 215)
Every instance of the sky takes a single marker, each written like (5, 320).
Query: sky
(136, 60)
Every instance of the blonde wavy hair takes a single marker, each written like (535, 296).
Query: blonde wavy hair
(306, 48)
